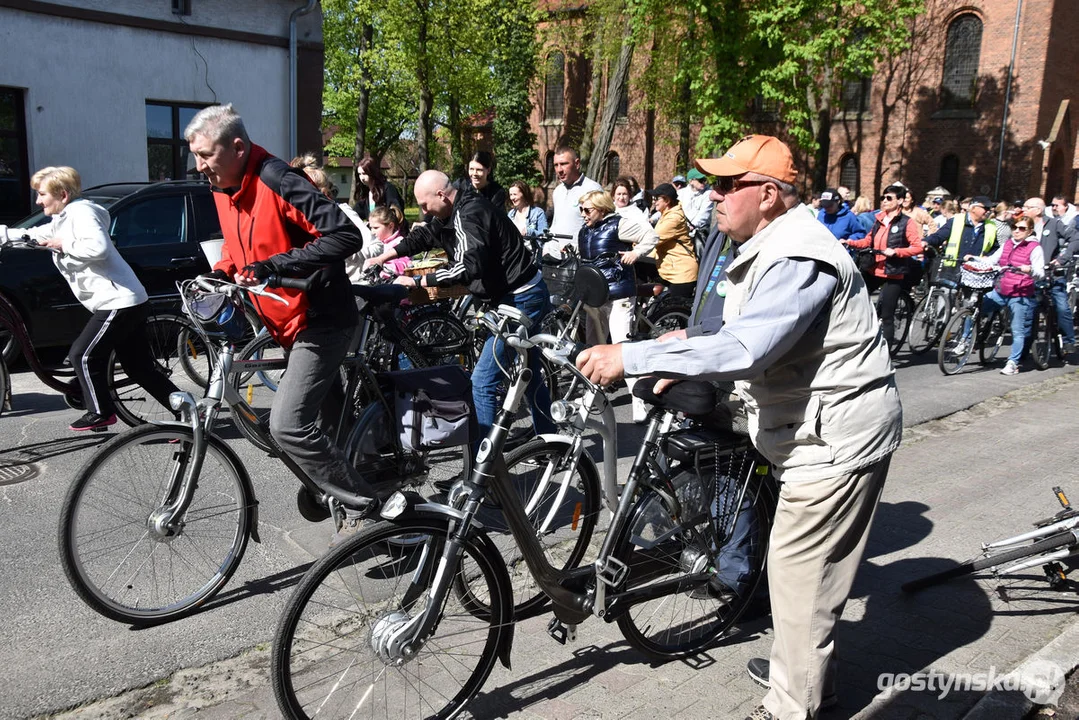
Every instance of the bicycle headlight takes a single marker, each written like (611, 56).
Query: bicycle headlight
(561, 411)
(394, 506)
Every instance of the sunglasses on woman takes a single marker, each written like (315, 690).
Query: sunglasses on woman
(1024, 228)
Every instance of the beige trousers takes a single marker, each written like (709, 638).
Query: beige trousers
(817, 541)
(615, 317)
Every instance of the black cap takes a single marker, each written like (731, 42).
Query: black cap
(982, 200)
(900, 191)
(665, 190)
(831, 195)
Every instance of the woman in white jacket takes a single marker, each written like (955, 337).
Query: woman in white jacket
(102, 281)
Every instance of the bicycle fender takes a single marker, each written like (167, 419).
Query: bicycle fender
(444, 513)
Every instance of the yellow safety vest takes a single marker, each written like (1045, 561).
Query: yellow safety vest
(951, 250)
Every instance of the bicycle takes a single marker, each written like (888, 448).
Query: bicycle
(968, 327)
(904, 309)
(1053, 540)
(1046, 338)
(157, 521)
(415, 611)
(180, 363)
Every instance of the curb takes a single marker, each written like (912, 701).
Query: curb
(1043, 672)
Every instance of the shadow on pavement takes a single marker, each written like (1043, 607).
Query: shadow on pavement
(35, 452)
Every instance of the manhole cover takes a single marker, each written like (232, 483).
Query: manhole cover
(19, 473)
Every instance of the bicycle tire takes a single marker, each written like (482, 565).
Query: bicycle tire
(956, 343)
(5, 386)
(656, 548)
(442, 338)
(991, 333)
(566, 538)
(257, 388)
(992, 560)
(113, 560)
(901, 319)
(324, 659)
(927, 324)
(164, 330)
(668, 315)
(1041, 339)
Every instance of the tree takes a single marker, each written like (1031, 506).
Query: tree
(515, 64)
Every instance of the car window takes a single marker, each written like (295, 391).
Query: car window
(152, 221)
(40, 218)
(207, 223)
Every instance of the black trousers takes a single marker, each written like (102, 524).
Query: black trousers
(890, 290)
(122, 331)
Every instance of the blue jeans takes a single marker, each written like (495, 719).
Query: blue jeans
(1022, 318)
(1065, 322)
(486, 378)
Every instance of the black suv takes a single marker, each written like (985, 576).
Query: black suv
(157, 227)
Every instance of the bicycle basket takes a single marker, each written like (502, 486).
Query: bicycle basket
(977, 275)
(217, 309)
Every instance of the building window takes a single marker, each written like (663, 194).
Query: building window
(856, 94)
(554, 87)
(14, 173)
(962, 52)
(623, 104)
(548, 166)
(167, 153)
(949, 174)
(848, 173)
(613, 167)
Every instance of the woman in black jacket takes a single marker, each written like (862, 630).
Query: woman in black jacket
(380, 191)
(479, 173)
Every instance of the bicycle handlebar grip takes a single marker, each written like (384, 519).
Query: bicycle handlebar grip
(301, 284)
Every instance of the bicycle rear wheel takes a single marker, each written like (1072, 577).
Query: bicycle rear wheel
(443, 339)
(128, 566)
(956, 343)
(258, 387)
(1041, 338)
(928, 322)
(993, 560)
(901, 320)
(332, 651)
(668, 315)
(689, 578)
(182, 363)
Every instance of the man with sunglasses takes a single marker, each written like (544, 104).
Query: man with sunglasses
(1059, 240)
(802, 342)
(968, 233)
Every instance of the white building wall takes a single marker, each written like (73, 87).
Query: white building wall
(87, 83)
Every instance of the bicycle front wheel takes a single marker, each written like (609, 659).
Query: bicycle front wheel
(120, 556)
(258, 387)
(1041, 338)
(688, 580)
(334, 651)
(991, 335)
(442, 338)
(901, 320)
(168, 334)
(928, 322)
(956, 343)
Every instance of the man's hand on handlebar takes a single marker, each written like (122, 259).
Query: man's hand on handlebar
(602, 364)
(254, 274)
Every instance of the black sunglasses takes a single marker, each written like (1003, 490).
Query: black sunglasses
(728, 184)
(888, 197)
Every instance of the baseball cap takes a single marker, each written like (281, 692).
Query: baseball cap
(982, 200)
(694, 174)
(831, 195)
(761, 154)
(665, 190)
(678, 179)
(938, 200)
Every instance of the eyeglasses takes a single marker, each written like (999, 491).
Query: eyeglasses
(586, 210)
(889, 198)
(727, 184)
(1024, 228)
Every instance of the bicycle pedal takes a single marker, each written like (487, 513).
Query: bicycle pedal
(612, 572)
(1062, 498)
(561, 632)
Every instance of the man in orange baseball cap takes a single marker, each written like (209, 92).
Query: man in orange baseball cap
(802, 343)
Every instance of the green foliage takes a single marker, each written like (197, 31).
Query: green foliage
(515, 63)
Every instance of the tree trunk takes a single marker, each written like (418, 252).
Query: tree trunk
(362, 105)
(457, 150)
(616, 85)
(684, 98)
(596, 84)
(820, 122)
(427, 102)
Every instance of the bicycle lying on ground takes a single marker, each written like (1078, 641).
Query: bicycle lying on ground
(181, 362)
(410, 615)
(1053, 540)
(158, 519)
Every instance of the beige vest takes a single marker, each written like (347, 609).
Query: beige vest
(830, 404)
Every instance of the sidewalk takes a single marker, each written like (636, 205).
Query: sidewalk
(974, 476)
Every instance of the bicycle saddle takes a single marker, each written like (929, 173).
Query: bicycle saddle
(694, 398)
(646, 290)
(380, 294)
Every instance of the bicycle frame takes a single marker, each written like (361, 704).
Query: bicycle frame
(12, 321)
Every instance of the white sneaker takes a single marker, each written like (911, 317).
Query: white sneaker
(1010, 368)
(960, 348)
(640, 411)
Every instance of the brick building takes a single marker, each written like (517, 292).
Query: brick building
(931, 117)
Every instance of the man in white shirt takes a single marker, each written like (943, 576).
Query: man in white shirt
(698, 208)
(571, 186)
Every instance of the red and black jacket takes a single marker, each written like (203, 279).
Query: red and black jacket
(278, 216)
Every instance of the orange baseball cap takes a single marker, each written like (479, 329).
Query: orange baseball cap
(761, 154)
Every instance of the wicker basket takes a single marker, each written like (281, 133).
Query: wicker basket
(426, 295)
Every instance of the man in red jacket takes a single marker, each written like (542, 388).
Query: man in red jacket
(276, 222)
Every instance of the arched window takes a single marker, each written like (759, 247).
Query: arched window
(548, 166)
(613, 168)
(554, 87)
(949, 174)
(848, 172)
(962, 52)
